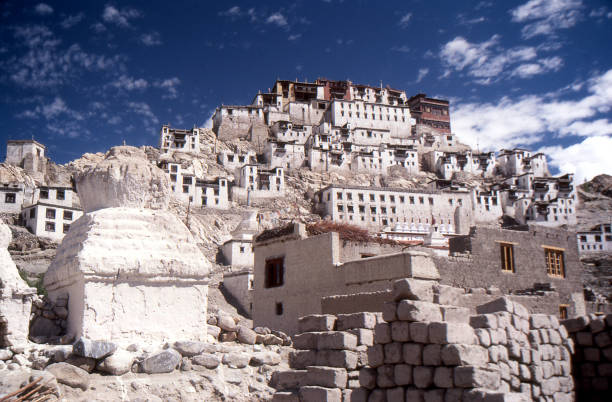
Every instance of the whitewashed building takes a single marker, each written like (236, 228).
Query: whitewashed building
(174, 139)
(49, 220)
(596, 240)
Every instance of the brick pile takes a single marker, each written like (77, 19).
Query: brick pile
(331, 351)
(592, 359)
(429, 350)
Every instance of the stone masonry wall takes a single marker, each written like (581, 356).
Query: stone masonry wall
(592, 360)
(425, 349)
(331, 351)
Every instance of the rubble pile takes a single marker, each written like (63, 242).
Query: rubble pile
(592, 359)
(226, 328)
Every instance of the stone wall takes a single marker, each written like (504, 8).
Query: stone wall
(425, 348)
(331, 351)
(484, 269)
(592, 359)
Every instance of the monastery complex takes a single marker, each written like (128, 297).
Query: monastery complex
(412, 267)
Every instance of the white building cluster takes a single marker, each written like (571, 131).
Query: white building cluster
(47, 211)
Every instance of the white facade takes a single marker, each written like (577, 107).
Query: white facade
(197, 192)
(18, 150)
(235, 160)
(377, 208)
(11, 197)
(172, 139)
(240, 286)
(51, 221)
(596, 240)
(257, 177)
(289, 155)
(519, 161)
(60, 196)
(395, 119)
(445, 164)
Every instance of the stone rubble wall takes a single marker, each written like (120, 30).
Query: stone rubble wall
(331, 350)
(592, 359)
(48, 320)
(426, 349)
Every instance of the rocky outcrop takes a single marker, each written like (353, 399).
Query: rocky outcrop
(15, 297)
(130, 267)
(124, 178)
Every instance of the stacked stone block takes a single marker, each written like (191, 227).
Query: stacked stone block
(427, 350)
(330, 352)
(592, 359)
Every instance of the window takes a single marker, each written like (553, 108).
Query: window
(67, 215)
(185, 189)
(173, 177)
(50, 213)
(279, 308)
(507, 257)
(275, 271)
(9, 198)
(598, 238)
(554, 262)
(583, 238)
(187, 180)
(32, 213)
(49, 227)
(563, 311)
(66, 227)
(60, 194)
(411, 199)
(44, 194)
(608, 238)
(241, 249)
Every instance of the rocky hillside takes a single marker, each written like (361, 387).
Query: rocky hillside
(595, 202)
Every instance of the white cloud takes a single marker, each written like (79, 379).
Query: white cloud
(149, 120)
(231, 12)
(585, 159)
(422, 73)
(540, 67)
(151, 39)
(59, 118)
(169, 84)
(121, 18)
(532, 118)
(43, 9)
(588, 128)
(98, 27)
(72, 20)
(39, 60)
(464, 21)
(130, 84)
(401, 49)
(403, 22)
(544, 17)
(277, 19)
(488, 61)
(294, 37)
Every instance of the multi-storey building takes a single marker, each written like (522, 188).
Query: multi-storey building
(596, 240)
(517, 161)
(49, 220)
(377, 208)
(174, 139)
(236, 160)
(194, 191)
(430, 114)
(445, 164)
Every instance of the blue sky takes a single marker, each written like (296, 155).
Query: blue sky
(84, 76)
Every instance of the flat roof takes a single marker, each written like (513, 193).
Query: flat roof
(43, 204)
(406, 190)
(17, 142)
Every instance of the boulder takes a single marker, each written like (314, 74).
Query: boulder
(189, 348)
(246, 335)
(207, 360)
(85, 363)
(236, 360)
(226, 323)
(161, 362)
(118, 363)
(69, 375)
(94, 349)
(261, 358)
